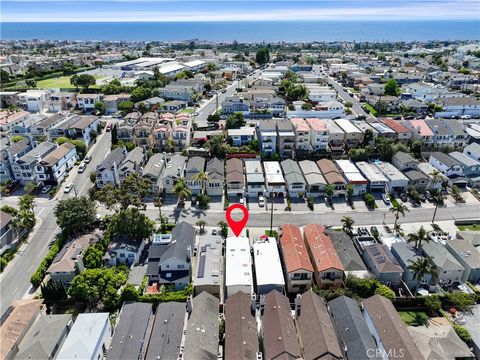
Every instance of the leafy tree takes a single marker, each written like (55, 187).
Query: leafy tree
(350, 191)
(4, 77)
(307, 106)
(391, 87)
(223, 229)
(26, 203)
(140, 93)
(93, 256)
(53, 291)
(80, 147)
(419, 237)
(113, 87)
(75, 214)
(385, 291)
(129, 194)
(99, 106)
(201, 224)
(369, 200)
(84, 81)
(30, 187)
(31, 84)
(347, 225)
(182, 191)
(16, 138)
(92, 286)
(421, 267)
(129, 293)
(263, 56)
(433, 303)
(235, 121)
(329, 191)
(132, 224)
(254, 145)
(461, 301)
(114, 135)
(68, 69)
(463, 333)
(216, 145)
(203, 200)
(368, 137)
(9, 210)
(126, 106)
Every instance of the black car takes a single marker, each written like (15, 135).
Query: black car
(429, 197)
(423, 198)
(404, 197)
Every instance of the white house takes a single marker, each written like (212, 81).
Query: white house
(274, 180)
(54, 167)
(86, 102)
(268, 268)
(396, 180)
(108, 171)
(353, 176)
(89, 337)
(255, 178)
(123, 251)
(302, 135)
(472, 151)
(33, 100)
(319, 134)
(241, 136)
(238, 266)
(445, 164)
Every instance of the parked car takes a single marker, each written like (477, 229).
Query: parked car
(68, 188)
(261, 201)
(223, 117)
(386, 199)
(403, 197)
(214, 232)
(82, 167)
(109, 127)
(87, 159)
(46, 189)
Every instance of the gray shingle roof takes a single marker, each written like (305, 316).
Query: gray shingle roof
(116, 156)
(154, 166)
(444, 158)
(201, 339)
(166, 331)
(352, 330)
(130, 336)
(41, 150)
(346, 251)
(441, 257)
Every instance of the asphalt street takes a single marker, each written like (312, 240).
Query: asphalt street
(356, 106)
(210, 107)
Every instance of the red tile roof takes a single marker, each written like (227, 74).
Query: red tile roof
(294, 252)
(324, 255)
(396, 126)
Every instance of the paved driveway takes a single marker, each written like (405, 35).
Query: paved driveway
(298, 205)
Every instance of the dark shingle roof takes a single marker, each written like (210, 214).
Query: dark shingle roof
(316, 329)
(391, 328)
(131, 332)
(346, 251)
(116, 156)
(201, 339)
(280, 338)
(166, 332)
(352, 330)
(241, 338)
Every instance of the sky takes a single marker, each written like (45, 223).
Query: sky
(237, 10)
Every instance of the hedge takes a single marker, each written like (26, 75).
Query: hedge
(180, 296)
(41, 271)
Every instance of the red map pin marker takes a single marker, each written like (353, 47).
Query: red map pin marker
(236, 226)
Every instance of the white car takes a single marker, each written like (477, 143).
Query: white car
(465, 117)
(46, 189)
(68, 188)
(87, 159)
(386, 199)
(261, 201)
(82, 167)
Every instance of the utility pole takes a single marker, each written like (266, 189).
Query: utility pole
(271, 214)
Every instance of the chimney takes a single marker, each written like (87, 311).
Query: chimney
(38, 158)
(298, 305)
(253, 303)
(262, 303)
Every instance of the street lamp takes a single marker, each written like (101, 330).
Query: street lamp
(271, 213)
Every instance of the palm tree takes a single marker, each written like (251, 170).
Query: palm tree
(182, 191)
(421, 267)
(223, 228)
(201, 224)
(202, 176)
(437, 177)
(347, 225)
(398, 210)
(419, 237)
(397, 228)
(27, 202)
(16, 225)
(27, 219)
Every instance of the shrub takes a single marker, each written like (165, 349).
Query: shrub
(433, 303)
(41, 271)
(462, 333)
(385, 291)
(369, 200)
(460, 301)
(310, 203)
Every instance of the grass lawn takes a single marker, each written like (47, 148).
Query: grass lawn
(188, 111)
(61, 82)
(471, 227)
(370, 108)
(413, 317)
(273, 234)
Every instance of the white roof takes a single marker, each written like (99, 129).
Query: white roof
(347, 126)
(84, 336)
(245, 130)
(275, 179)
(391, 172)
(253, 167)
(272, 167)
(268, 269)
(347, 166)
(194, 63)
(238, 262)
(167, 68)
(371, 172)
(427, 169)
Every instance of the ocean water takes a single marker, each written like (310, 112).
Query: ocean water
(269, 31)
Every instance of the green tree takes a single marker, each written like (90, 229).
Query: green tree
(182, 191)
(223, 229)
(16, 138)
(216, 145)
(80, 147)
(99, 107)
(202, 177)
(30, 187)
(369, 200)
(391, 87)
(398, 210)
(75, 215)
(31, 84)
(461, 301)
(347, 225)
(201, 224)
(140, 93)
(463, 333)
(263, 56)
(93, 256)
(126, 106)
(329, 191)
(421, 267)
(417, 238)
(27, 203)
(235, 121)
(4, 77)
(433, 303)
(129, 293)
(385, 291)
(132, 224)
(83, 80)
(350, 191)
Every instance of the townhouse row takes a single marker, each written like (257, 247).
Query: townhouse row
(269, 329)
